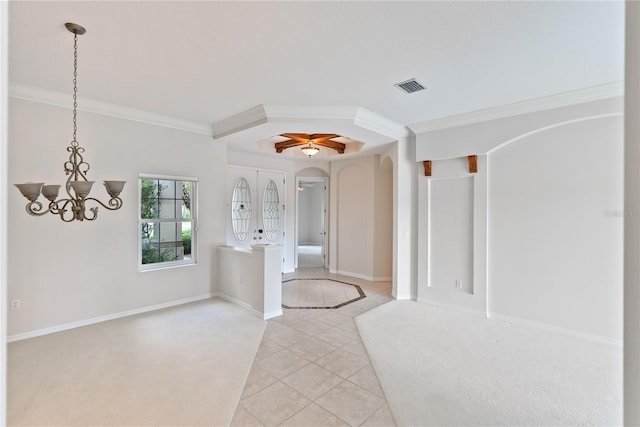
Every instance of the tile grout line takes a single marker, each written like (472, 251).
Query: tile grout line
(330, 325)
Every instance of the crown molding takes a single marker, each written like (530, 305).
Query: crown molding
(376, 123)
(60, 99)
(266, 113)
(241, 121)
(322, 112)
(565, 99)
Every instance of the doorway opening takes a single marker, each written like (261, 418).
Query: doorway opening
(311, 222)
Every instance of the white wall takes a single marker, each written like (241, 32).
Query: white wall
(310, 205)
(65, 273)
(483, 136)
(452, 233)
(383, 220)
(252, 278)
(553, 253)
(353, 226)
(405, 219)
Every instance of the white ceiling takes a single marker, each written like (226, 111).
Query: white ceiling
(209, 61)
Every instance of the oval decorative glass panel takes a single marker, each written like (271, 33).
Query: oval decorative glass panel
(241, 210)
(271, 210)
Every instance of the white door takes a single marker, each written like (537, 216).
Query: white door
(255, 207)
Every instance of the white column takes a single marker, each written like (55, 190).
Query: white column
(405, 230)
(632, 218)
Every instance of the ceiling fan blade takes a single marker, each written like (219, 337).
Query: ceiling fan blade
(315, 136)
(304, 137)
(326, 142)
(281, 146)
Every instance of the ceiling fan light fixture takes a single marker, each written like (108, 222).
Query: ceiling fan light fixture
(310, 149)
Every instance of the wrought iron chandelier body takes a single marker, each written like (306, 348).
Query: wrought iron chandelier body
(73, 208)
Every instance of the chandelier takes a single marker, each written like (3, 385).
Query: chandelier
(310, 149)
(77, 187)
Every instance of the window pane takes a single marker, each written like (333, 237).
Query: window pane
(186, 238)
(167, 208)
(185, 207)
(166, 229)
(241, 217)
(167, 189)
(271, 210)
(168, 232)
(149, 199)
(149, 231)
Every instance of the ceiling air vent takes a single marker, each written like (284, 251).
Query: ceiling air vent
(410, 86)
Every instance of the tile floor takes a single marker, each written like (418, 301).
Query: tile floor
(311, 368)
(319, 293)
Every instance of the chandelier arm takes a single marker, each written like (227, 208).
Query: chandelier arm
(90, 218)
(62, 211)
(68, 218)
(35, 208)
(114, 203)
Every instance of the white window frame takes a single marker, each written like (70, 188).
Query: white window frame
(194, 223)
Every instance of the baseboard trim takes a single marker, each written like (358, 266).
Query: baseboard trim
(404, 297)
(452, 306)
(557, 329)
(362, 276)
(272, 314)
(105, 318)
(242, 304)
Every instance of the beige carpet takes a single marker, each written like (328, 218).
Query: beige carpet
(443, 367)
(180, 366)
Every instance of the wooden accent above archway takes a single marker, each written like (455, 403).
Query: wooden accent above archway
(320, 139)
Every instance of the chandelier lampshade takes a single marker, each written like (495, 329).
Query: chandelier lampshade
(310, 149)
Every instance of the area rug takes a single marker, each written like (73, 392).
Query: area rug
(444, 367)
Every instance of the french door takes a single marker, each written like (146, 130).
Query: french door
(255, 206)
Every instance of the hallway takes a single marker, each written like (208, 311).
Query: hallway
(311, 368)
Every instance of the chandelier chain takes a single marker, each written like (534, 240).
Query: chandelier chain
(75, 87)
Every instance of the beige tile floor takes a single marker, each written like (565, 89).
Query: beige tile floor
(311, 368)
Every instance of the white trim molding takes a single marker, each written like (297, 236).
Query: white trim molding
(595, 93)
(437, 303)
(262, 114)
(105, 318)
(60, 99)
(249, 308)
(361, 276)
(556, 329)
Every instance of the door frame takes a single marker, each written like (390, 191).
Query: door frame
(325, 181)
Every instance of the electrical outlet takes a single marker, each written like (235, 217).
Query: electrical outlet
(458, 283)
(241, 280)
(15, 304)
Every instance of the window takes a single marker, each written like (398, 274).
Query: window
(167, 221)
(271, 210)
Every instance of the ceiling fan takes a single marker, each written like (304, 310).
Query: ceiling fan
(308, 141)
